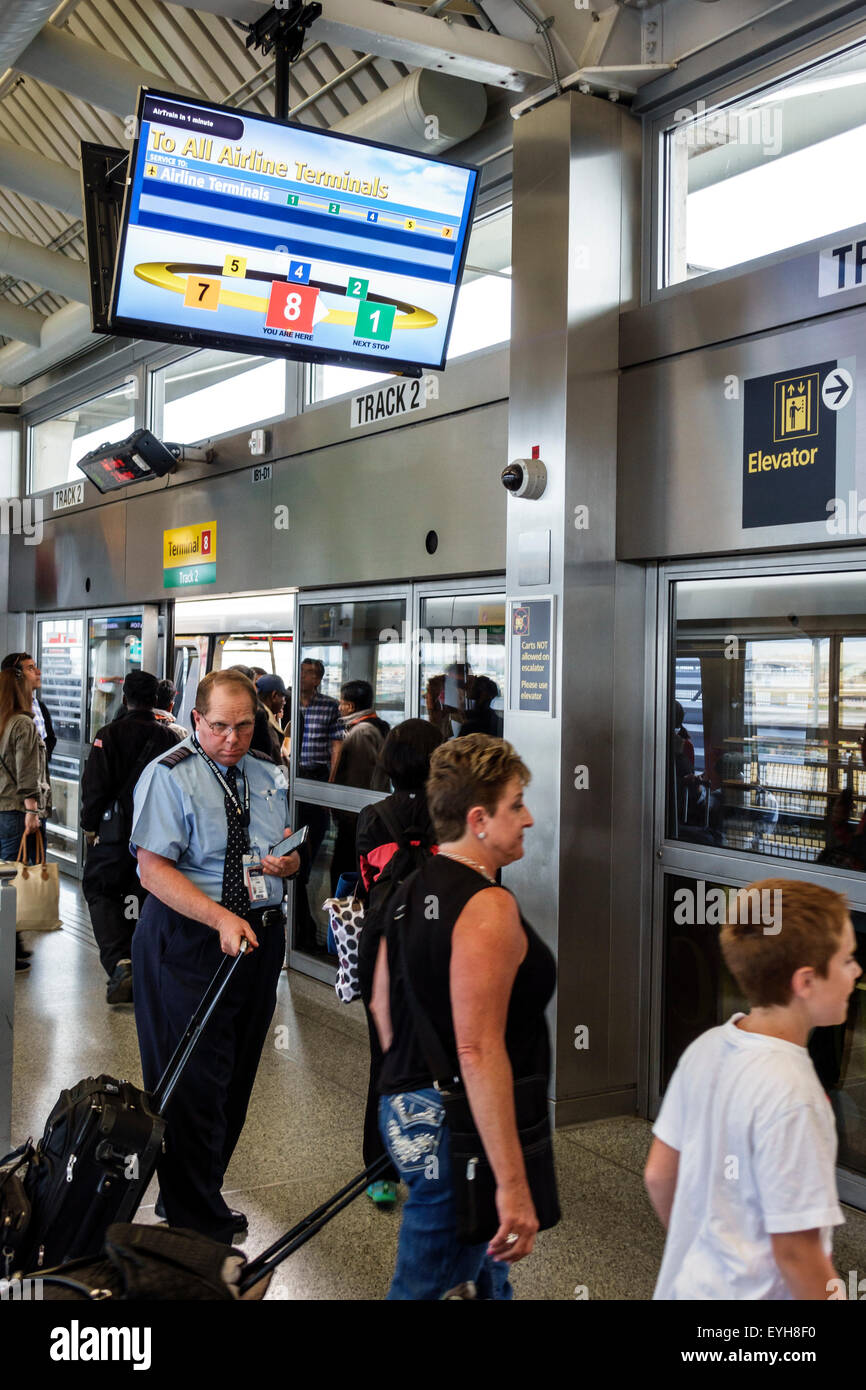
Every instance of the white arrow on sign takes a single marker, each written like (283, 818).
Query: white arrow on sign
(837, 389)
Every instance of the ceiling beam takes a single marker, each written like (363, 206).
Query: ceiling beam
(419, 40)
(84, 71)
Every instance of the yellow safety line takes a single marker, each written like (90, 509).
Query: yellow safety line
(157, 273)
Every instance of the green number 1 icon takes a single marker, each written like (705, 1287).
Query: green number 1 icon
(375, 320)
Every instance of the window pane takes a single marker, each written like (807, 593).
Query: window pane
(61, 828)
(211, 393)
(115, 650)
(699, 992)
(56, 445)
(852, 686)
(61, 661)
(738, 175)
(763, 756)
(482, 316)
(462, 663)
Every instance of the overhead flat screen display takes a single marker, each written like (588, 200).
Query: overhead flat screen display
(262, 236)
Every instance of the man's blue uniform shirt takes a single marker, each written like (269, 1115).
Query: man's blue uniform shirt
(179, 812)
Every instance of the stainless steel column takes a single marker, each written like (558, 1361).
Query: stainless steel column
(576, 207)
(7, 1012)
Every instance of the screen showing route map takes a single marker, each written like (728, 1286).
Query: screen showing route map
(245, 232)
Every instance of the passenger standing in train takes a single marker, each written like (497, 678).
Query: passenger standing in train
(460, 965)
(261, 741)
(118, 755)
(206, 816)
(320, 741)
(166, 694)
(272, 693)
(24, 789)
(742, 1169)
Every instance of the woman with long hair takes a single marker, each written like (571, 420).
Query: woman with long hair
(24, 789)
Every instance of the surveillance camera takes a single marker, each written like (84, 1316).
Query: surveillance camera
(793, 620)
(525, 478)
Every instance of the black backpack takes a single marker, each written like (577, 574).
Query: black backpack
(414, 847)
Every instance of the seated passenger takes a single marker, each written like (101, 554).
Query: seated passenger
(742, 1168)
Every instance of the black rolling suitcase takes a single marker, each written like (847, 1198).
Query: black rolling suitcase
(94, 1161)
(146, 1263)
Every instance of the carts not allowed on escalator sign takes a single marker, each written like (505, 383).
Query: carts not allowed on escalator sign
(798, 442)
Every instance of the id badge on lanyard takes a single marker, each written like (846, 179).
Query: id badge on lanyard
(254, 878)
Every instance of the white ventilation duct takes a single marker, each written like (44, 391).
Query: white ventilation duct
(428, 112)
(63, 334)
(46, 268)
(20, 22)
(34, 176)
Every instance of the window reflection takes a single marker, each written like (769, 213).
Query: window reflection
(766, 716)
(699, 992)
(461, 645)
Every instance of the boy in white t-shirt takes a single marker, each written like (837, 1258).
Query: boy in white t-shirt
(742, 1167)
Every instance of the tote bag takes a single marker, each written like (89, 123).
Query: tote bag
(37, 890)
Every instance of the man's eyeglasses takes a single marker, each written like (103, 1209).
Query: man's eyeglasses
(223, 730)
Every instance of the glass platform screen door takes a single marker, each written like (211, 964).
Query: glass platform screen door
(356, 635)
(84, 658)
(760, 726)
(433, 650)
(60, 655)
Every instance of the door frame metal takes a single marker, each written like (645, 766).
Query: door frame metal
(701, 861)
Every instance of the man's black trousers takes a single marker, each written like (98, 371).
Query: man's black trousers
(173, 961)
(115, 898)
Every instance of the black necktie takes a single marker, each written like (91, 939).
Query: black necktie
(234, 895)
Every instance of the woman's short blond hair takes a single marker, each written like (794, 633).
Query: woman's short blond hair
(465, 772)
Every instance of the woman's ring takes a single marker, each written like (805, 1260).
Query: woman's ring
(510, 1239)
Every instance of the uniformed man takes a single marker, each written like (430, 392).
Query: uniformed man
(206, 816)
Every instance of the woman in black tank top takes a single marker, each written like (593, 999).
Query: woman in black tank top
(482, 977)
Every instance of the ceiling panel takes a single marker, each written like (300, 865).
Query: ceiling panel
(185, 48)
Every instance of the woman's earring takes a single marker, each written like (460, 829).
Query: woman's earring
(481, 834)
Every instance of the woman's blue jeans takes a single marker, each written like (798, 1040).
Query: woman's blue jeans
(11, 830)
(430, 1259)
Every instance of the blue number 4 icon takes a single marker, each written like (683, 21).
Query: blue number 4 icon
(372, 216)
(300, 271)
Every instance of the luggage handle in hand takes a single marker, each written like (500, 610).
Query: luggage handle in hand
(185, 1048)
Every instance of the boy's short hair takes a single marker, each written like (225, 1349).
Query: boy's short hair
(811, 923)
